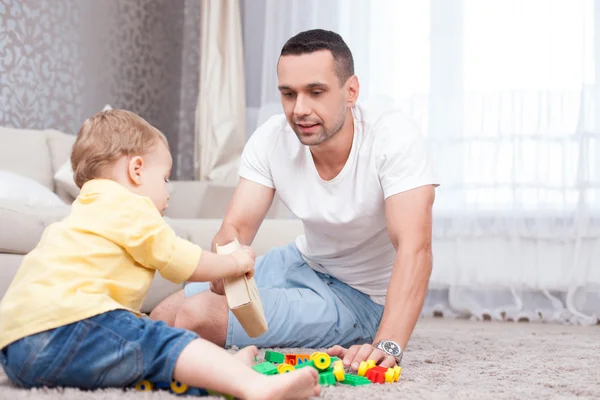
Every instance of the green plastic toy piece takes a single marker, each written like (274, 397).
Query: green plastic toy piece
(327, 378)
(274, 357)
(306, 364)
(355, 380)
(265, 368)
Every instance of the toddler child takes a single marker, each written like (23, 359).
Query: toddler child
(71, 316)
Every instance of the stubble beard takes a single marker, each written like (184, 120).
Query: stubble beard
(324, 134)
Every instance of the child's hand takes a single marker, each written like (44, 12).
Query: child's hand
(244, 258)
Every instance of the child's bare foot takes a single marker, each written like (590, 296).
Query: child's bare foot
(299, 384)
(247, 354)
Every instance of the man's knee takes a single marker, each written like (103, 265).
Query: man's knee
(207, 314)
(167, 309)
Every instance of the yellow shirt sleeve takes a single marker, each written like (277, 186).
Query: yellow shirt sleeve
(136, 225)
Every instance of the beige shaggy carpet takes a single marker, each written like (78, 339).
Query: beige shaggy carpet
(452, 359)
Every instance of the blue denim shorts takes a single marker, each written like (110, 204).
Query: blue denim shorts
(304, 308)
(114, 349)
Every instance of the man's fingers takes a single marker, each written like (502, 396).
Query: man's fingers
(336, 351)
(350, 353)
(217, 287)
(388, 362)
(364, 352)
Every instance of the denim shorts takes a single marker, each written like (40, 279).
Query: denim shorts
(303, 307)
(114, 349)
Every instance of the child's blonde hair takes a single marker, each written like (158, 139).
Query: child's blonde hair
(106, 137)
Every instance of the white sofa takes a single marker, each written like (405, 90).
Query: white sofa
(195, 210)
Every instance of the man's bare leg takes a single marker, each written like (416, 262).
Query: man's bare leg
(207, 314)
(167, 309)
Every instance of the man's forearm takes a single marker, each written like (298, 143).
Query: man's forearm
(229, 232)
(405, 296)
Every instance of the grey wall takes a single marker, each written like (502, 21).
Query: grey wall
(63, 60)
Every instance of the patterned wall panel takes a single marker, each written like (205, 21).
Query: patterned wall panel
(63, 60)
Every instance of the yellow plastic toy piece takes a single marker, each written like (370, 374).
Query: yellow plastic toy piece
(283, 368)
(313, 355)
(370, 364)
(362, 369)
(338, 371)
(397, 373)
(389, 375)
(322, 360)
(178, 387)
(144, 386)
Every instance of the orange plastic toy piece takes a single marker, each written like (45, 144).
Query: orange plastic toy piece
(291, 359)
(300, 358)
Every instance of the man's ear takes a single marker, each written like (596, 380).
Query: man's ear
(134, 170)
(353, 88)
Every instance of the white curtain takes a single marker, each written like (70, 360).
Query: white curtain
(221, 106)
(507, 94)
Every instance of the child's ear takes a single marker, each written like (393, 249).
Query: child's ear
(134, 170)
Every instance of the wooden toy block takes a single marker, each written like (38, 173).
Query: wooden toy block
(243, 298)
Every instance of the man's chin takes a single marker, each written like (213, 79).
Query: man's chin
(310, 140)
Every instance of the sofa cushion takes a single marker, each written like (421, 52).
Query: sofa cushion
(26, 191)
(64, 182)
(25, 152)
(272, 232)
(26, 224)
(60, 145)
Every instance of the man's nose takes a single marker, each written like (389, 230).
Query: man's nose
(301, 108)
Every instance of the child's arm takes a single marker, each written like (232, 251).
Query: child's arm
(216, 266)
(141, 231)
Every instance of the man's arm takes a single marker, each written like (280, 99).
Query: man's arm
(249, 205)
(409, 221)
(409, 224)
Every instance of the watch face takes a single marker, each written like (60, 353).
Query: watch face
(391, 348)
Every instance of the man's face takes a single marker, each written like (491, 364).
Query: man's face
(313, 100)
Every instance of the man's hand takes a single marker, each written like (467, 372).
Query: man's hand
(353, 356)
(217, 287)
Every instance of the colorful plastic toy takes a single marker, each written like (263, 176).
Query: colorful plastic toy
(331, 369)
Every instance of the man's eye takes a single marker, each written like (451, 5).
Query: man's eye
(317, 93)
(288, 94)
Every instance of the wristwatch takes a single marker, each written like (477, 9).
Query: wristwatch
(391, 348)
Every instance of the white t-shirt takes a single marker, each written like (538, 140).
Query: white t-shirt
(345, 232)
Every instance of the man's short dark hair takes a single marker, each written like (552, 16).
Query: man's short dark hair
(319, 39)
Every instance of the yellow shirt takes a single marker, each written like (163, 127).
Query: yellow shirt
(101, 257)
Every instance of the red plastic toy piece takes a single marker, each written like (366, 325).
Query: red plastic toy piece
(376, 374)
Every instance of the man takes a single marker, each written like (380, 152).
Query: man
(362, 183)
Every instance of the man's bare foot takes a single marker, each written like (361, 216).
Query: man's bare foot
(247, 354)
(299, 384)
